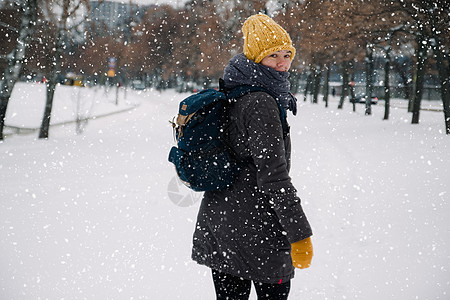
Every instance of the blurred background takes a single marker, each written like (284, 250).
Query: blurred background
(364, 50)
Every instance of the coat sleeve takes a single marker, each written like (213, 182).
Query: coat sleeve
(266, 143)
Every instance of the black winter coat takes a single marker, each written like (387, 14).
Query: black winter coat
(246, 230)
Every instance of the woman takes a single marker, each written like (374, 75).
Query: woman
(256, 230)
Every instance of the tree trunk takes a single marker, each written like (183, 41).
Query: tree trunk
(51, 84)
(45, 125)
(444, 76)
(293, 78)
(401, 71)
(17, 58)
(316, 82)
(307, 86)
(369, 83)
(345, 76)
(387, 87)
(352, 86)
(326, 86)
(420, 73)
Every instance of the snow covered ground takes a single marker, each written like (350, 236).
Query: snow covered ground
(26, 107)
(100, 215)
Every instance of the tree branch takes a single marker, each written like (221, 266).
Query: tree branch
(9, 26)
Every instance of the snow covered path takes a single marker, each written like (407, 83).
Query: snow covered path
(90, 217)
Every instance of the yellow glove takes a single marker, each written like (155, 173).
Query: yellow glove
(302, 253)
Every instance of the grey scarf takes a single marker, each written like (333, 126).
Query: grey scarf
(242, 71)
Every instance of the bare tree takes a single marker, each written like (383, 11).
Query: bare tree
(430, 21)
(16, 59)
(387, 46)
(62, 21)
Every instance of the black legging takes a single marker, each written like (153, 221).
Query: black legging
(229, 287)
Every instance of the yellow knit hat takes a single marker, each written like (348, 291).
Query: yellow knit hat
(263, 36)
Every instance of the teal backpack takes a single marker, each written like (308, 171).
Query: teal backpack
(203, 158)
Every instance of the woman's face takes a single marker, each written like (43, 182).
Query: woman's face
(279, 60)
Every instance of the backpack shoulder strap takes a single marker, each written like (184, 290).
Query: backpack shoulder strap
(242, 90)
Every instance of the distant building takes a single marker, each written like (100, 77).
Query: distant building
(114, 18)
